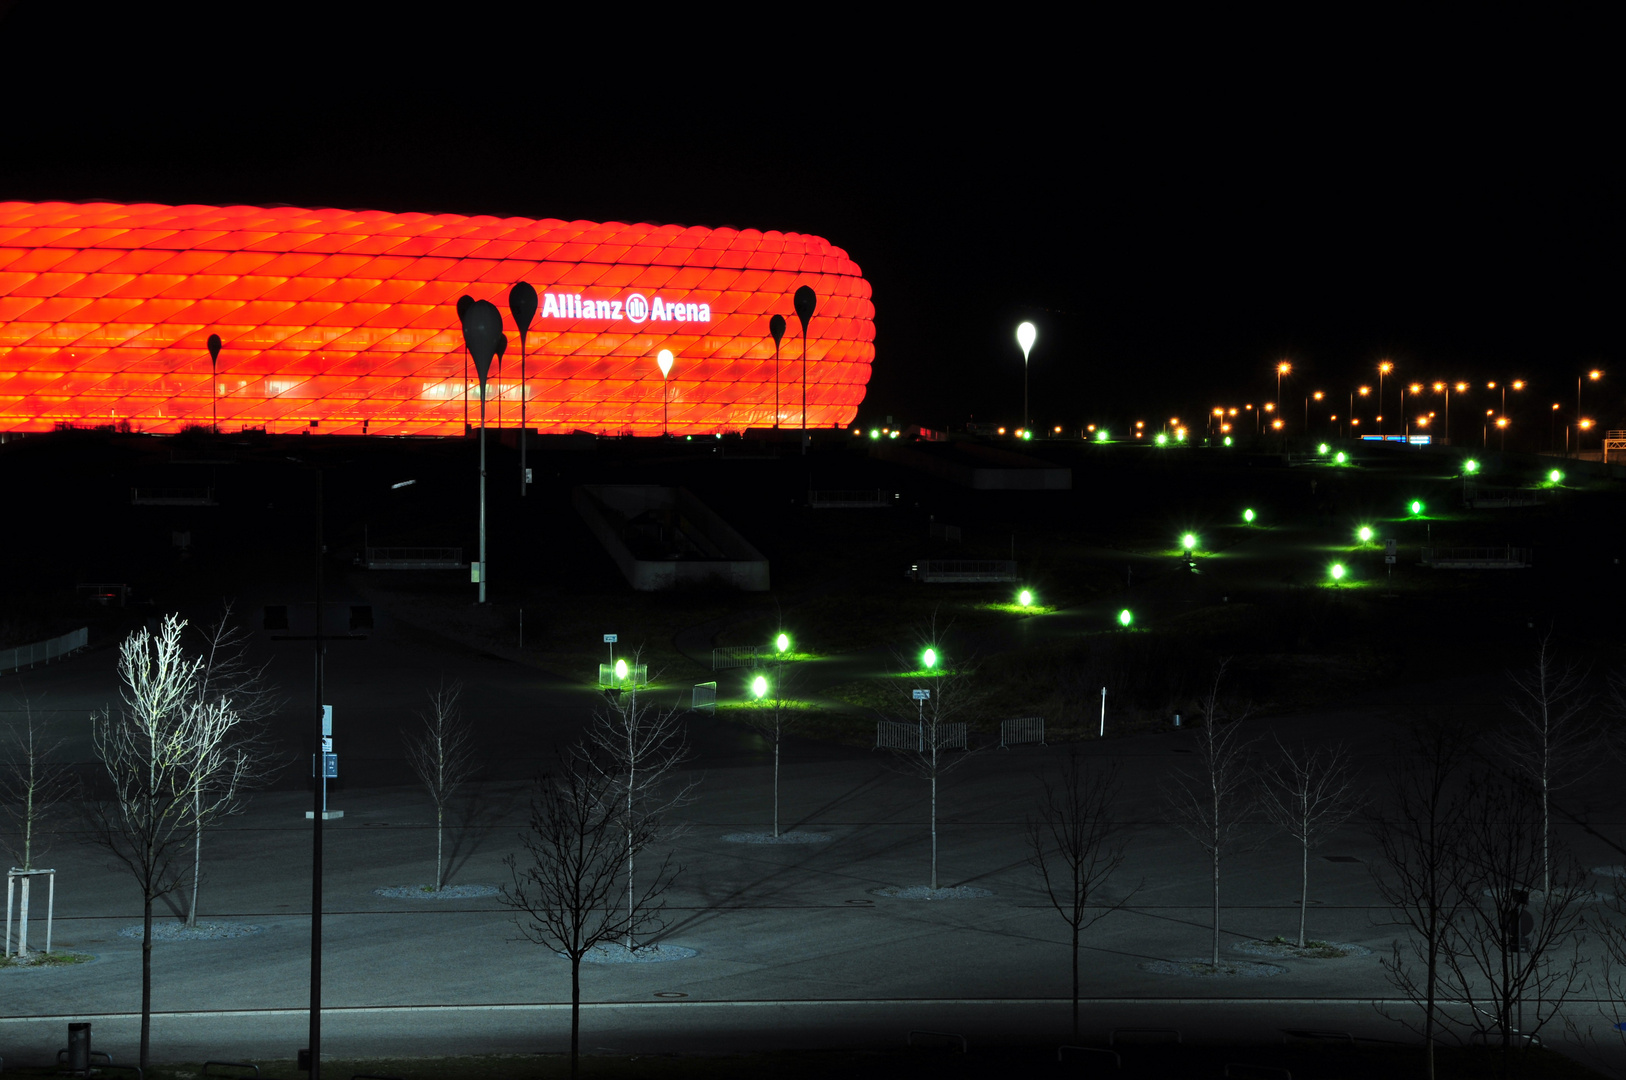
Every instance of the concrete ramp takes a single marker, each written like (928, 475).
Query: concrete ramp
(664, 538)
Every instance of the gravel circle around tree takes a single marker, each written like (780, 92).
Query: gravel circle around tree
(429, 892)
(643, 954)
(1289, 950)
(1202, 969)
(921, 892)
(204, 931)
(782, 838)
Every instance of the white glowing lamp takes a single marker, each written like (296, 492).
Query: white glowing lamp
(664, 359)
(1026, 335)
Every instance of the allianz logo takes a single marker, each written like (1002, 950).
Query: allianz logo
(635, 308)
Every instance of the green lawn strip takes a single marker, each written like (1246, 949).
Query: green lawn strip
(1328, 1057)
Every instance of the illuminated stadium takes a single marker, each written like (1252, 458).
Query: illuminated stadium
(346, 322)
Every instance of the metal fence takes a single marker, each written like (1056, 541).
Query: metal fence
(1022, 729)
(637, 677)
(1488, 558)
(838, 500)
(704, 698)
(738, 656)
(414, 558)
(892, 735)
(43, 652)
(896, 735)
(937, 571)
(168, 496)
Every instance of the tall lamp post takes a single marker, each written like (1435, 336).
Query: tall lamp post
(214, 382)
(1282, 368)
(522, 306)
(482, 334)
(1026, 335)
(1594, 375)
(776, 327)
(1384, 367)
(664, 359)
(805, 301)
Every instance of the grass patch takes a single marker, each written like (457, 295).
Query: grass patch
(50, 959)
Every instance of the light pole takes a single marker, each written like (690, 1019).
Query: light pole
(1283, 368)
(664, 359)
(1026, 334)
(776, 327)
(1594, 375)
(522, 306)
(805, 301)
(483, 336)
(214, 382)
(1501, 424)
(1384, 367)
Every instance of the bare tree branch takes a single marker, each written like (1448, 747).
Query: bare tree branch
(34, 783)
(1555, 740)
(1309, 792)
(638, 747)
(943, 744)
(1213, 801)
(442, 752)
(774, 717)
(1421, 835)
(578, 860)
(1077, 845)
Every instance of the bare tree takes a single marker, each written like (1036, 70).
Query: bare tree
(1515, 957)
(774, 716)
(1555, 740)
(1421, 835)
(151, 749)
(1077, 845)
(1213, 801)
(638, 748)
(34, 783)
(441, 751)
(578, 860)
(942, 744)
(232, 745)
(1309, 792)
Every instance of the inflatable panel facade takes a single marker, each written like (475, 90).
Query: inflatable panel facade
(346, 322)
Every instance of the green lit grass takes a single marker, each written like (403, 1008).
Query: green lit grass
(51, 959)
(1019, 609)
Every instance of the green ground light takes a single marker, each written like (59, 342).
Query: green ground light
(1364, 534)
(1247, 516)
(1322, 449)
(1341, 457)
(1555, 477)
(1125, 618)
(1336, 571)
(1416, 507)
(1470, 466)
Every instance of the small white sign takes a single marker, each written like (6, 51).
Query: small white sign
(609, 639)
(923, 695)
(327, 720)
(1389, 559)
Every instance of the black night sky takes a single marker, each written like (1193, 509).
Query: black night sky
(1177, 205)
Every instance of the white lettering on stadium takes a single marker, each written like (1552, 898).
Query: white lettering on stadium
(634, 308)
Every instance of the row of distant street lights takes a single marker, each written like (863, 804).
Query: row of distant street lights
(1222, 417)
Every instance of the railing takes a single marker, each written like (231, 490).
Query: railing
(1022, 729)
(637, 677)
(43, 652)
(167, 496)
(704, 698)
(897, 735)
(414, 558)
(738, 656)
(963, 570)
(834, 500)
(1490, 557)
(892, 735)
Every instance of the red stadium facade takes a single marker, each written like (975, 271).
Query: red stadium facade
(346, 322)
